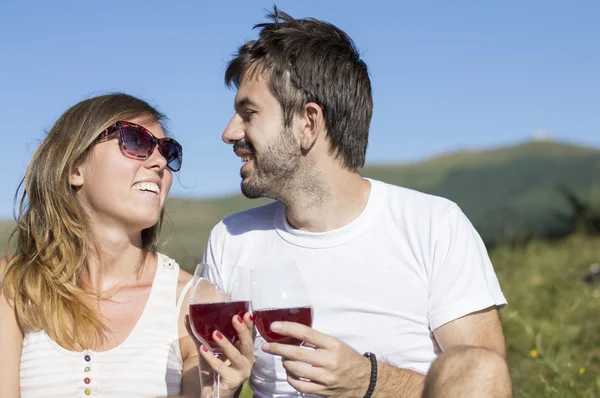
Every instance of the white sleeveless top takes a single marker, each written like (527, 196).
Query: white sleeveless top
(146, 364)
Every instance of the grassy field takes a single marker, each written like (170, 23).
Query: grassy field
(552, 322)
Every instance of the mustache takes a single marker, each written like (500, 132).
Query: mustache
(242, 144)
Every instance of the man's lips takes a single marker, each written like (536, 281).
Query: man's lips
(243, 149)
(243, 153)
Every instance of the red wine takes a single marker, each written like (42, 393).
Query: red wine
(208, 317)
(264, 318)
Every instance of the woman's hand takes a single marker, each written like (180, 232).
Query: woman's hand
(237, 360)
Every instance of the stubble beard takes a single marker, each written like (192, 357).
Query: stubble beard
(275, 170)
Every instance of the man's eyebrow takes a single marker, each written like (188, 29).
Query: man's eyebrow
(244, 102)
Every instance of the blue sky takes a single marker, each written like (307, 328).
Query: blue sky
(446, 75)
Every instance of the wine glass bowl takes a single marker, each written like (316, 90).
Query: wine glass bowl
(264, 319)
(213, 307)
(279, 294)
(205, 318)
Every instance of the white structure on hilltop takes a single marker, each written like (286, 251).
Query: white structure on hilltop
(541, 135)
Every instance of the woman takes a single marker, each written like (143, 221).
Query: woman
(87, 306)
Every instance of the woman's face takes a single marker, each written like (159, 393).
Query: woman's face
(119, 192)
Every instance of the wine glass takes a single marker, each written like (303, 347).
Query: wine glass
(279, 294)
(212, 307)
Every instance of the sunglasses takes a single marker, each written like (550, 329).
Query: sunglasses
(137, 142)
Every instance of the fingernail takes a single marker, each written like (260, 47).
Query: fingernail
(239, 319)
(219, 335)
(265, 347)
(251, 317)
(275, 326)
(204, 348)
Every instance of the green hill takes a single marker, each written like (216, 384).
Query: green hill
(503, 191)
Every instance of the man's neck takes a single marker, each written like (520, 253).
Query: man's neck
(335, 201)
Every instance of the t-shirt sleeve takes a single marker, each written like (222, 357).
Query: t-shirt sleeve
(213, 256)
(462, 278)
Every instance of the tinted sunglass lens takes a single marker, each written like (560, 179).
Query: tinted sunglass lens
(136, 143)
(171, 151)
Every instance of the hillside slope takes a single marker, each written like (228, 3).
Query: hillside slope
(503, 191)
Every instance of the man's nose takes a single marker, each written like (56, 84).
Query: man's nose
(234, 131)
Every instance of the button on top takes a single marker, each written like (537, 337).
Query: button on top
(87, 358)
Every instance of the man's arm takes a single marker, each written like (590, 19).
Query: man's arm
(337, 369)
(396, 382)
(478, 329)
(473, 361)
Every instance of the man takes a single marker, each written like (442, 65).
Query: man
(390, 271)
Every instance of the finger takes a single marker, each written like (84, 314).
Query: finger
(249, 320)
(246, 342)
(306, 387)
(214, 362)
(303, 333)
(244, 330)
(302, 354)
(234, 356)
(231, 379)
(305, 371)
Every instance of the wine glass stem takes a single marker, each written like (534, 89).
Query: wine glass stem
(216, 380)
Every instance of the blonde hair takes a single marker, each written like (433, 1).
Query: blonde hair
(43, 277)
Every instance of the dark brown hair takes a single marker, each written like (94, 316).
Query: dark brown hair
(307, 60)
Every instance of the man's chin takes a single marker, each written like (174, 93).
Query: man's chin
(251, 191)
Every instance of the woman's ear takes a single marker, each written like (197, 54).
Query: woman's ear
(76, 177)
(313, 127)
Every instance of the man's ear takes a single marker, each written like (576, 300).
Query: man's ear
(313, 127)
(76, 177)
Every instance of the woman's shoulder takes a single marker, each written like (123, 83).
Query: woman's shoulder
(183, 278)
(3, 266)
(6, 303)
(171, 263)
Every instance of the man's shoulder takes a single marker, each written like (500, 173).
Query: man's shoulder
(256, 218)
(415, 200)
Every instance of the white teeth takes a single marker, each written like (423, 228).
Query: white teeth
(147, 186)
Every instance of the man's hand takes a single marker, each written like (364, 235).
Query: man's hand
(332, 368)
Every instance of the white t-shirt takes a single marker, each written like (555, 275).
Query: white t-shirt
(408, 264)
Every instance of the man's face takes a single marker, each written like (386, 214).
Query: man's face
(269, 151)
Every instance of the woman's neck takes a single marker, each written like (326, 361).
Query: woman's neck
(116, 260)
